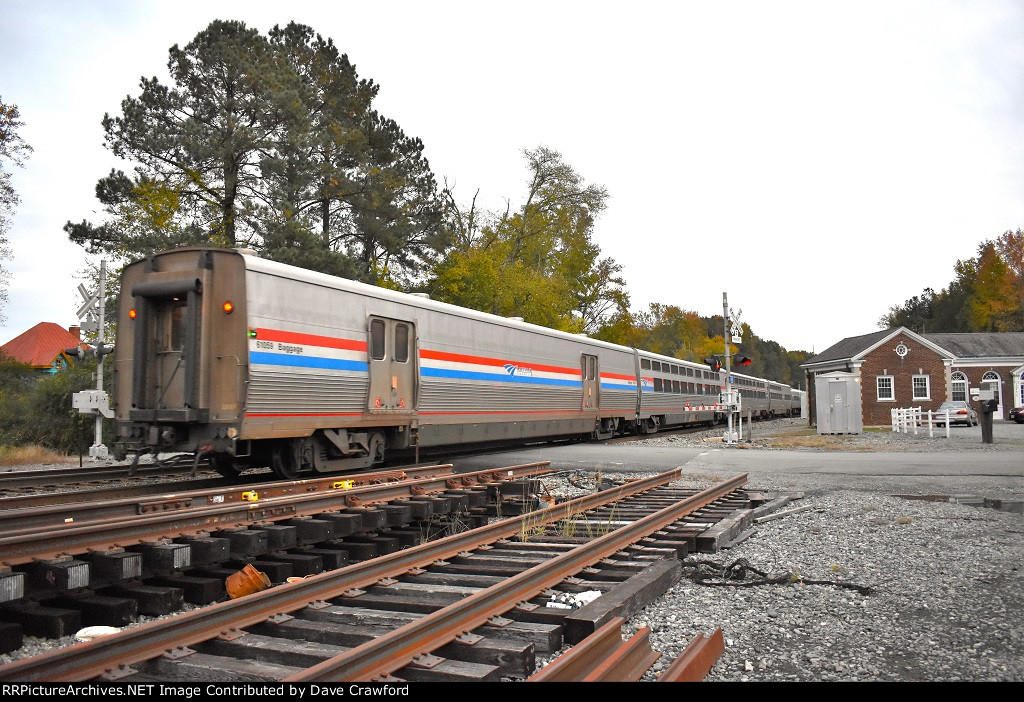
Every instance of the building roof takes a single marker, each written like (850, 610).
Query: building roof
(957, 346)
(848, 347)
(40, 345)
(980, 344)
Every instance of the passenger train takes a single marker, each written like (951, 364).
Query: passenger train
(252, 362)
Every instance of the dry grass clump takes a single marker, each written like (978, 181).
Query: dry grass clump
(27, 455)
(814, 441)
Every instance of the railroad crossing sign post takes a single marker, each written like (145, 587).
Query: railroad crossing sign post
(91, 315)
(731, 403)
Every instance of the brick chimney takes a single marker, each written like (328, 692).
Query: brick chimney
(76, 331)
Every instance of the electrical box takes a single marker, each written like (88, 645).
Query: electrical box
(838, 402)
(91, 402)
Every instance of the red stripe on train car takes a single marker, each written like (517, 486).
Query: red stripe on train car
(287, 337)
(484, 361)
(618, 376)
(304, 414)
(575, 411)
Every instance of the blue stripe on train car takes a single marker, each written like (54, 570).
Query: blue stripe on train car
(280, 359)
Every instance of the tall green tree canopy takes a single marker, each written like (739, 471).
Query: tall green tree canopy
(987, 294)
(270, 142)
(14, 150)
(539, 261)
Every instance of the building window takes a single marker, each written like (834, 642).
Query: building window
(884, 383)
(959, 382)
(922, 387)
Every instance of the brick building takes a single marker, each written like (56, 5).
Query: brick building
(900, 368)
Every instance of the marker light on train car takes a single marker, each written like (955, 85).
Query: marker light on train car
(252, 333)
(228, 308)
(132, 314)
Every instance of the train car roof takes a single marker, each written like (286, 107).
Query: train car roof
(256, 263)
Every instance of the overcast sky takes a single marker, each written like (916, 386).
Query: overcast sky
(818, 161)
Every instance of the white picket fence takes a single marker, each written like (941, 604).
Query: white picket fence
(908, 419)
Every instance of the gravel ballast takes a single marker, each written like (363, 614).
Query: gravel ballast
(946, 598)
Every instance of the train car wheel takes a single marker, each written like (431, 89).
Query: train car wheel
(284, 460)
(377, 445)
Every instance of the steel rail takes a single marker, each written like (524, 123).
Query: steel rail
(87, 660)
(602, 657)
(628, 663)
(24, 545)
(387, 653)
(39, 512)
(696, 660)
(37, 477)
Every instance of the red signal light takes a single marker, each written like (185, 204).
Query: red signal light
(228, 308)
(132, 314)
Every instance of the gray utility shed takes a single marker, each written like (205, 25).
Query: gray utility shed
(838, 401)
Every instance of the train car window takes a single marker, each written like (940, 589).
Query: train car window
(377, 339)
(657, 365)
(689, 372)
(592, 368)
(176, 339)
(645, 364)
(657, 385)
(675, 387)
(675, 370)
(401, 343)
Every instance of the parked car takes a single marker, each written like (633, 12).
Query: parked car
(1017, 415)
(959, 413)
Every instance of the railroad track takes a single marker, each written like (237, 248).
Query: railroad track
(130, 557)
(181, 473)
(19, 482)
(49, 509)
(467, 606)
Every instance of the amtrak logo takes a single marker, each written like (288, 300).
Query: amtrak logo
(513, 369)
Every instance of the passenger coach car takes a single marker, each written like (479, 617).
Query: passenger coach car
(254, 362)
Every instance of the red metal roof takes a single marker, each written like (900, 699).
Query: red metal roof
(40, 345)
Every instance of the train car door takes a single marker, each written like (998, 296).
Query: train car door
(392, 366)
(169, 316)
(591, 384)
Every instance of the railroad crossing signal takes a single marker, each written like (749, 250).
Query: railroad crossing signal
(90, 315)
(741, 361)
(87, 312)
(714, 363)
